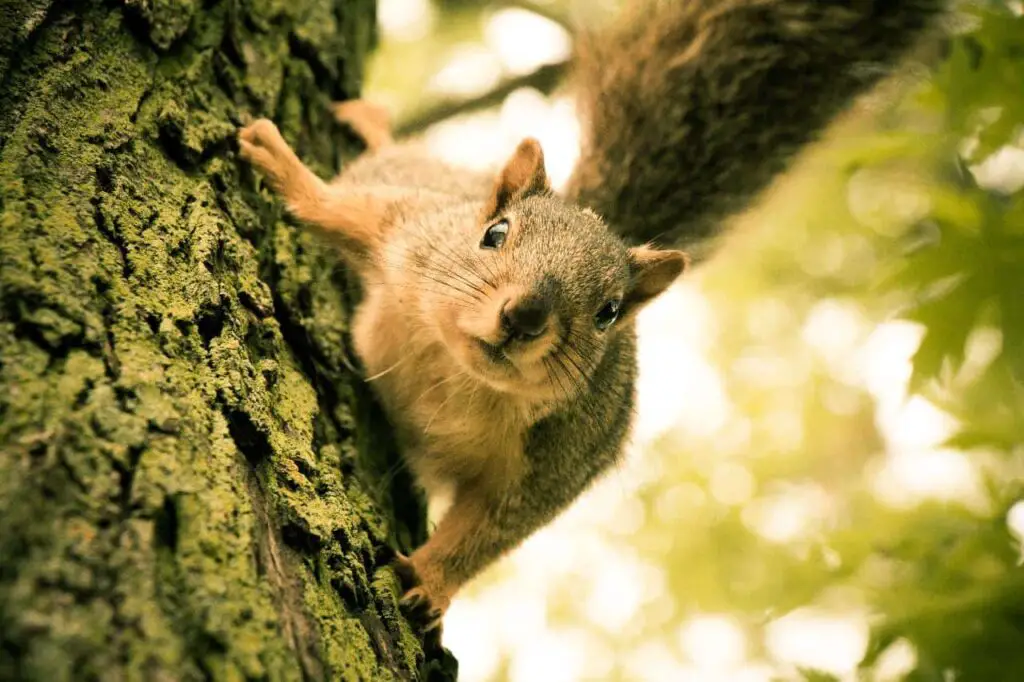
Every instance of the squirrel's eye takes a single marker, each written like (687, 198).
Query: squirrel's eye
(608, 313)
(495, 235)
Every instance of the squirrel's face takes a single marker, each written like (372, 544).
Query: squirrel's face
(529, 298)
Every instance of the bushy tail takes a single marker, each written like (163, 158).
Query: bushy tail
(691, 107)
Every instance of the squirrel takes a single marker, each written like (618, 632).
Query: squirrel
(497, 319)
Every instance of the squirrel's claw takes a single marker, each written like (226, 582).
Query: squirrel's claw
(419, 608)
(416, 602)
(405, 571)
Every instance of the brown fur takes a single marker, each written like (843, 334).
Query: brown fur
(690, 112)
(433, 300)
(692, 107)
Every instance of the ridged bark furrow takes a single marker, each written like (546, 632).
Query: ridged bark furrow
(181, 431)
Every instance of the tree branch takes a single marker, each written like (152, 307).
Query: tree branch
(545, 79)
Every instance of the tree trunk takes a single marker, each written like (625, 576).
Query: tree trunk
(193, 484)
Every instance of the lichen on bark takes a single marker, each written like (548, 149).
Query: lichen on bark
(193, 483)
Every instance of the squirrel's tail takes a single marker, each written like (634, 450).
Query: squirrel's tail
(691, 107)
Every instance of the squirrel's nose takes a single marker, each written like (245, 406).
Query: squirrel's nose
(526, 317)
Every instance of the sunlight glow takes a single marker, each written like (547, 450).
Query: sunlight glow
(560, 138)
(731, 484)
(769, 317)
(524, 611)
(885, 360)
(829, 642)
(1001, 171)
(680, 501)
(827, 259)
(908, 478)
(746, 673)
(478, 646)
(616, 592)
(982, 347)
(896, 662)
(654, 661)
(916, 468)
(483, 141)
(1015, 520)
(405, 20)
(528, 113)
(677, 385)
(558, 656)
(468, 141)
(510, 28)
(761, 366)
(713, 642)
(784, 424)
(833, 329)
(471, 69)
(875, 200)
(1015, 524)
(792, 513)
(753, 672)
(629, 519)
(917, 424)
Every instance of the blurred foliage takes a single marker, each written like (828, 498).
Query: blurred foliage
(907, 211)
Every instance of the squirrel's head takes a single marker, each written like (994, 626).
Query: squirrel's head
(537, 289)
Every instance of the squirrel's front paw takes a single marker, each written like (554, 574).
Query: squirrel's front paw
(420, 604)
(260, 143)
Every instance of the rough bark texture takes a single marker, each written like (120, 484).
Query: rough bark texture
(182, 488)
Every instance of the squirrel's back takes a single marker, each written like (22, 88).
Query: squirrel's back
(409, 165)
(691, 107)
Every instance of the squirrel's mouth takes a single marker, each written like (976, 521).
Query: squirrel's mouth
(513, 365)
(512, 350)
(494, 352)
(497, 353)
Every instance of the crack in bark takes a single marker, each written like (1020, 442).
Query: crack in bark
(300, 631)
(325, 80)
(383, 643)
(252, 441)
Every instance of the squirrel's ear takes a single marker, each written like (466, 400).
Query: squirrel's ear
(652, 270)
(522, 176)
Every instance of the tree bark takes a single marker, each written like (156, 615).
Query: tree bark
(193, 483)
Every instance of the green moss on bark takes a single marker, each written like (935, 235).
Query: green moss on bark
(179, 422)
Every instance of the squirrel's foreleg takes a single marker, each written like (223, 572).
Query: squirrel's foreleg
(433, 574)
(354, 220)
(481, 525)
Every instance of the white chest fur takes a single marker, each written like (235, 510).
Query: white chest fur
(451, 427)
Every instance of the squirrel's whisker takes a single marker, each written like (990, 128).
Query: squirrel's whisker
(378, 375)
(440, 383)
(446, 268)
(444, 291)
(452, 259)
(426, 428)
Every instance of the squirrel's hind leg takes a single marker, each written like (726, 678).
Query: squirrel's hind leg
(371, 122)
